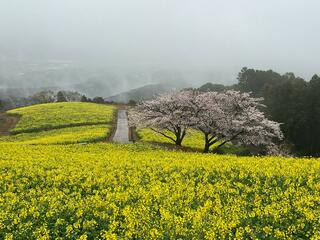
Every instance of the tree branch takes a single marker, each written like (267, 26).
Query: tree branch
(211, 138)
(228, 140)
(163, 134)
(213, 142)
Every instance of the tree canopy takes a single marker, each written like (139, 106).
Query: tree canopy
(221, 117)
(291, 101)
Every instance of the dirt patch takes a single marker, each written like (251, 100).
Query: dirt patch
(7, 122)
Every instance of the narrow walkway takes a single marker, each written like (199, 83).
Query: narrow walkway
(122, 133)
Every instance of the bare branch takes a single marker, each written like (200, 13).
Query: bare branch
(163, 134)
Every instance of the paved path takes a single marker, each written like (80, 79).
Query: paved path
(122, 132)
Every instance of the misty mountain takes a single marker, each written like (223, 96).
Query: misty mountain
(280, 35)
(142, 93)
(94, 87)
(23, 92)
(28, 77)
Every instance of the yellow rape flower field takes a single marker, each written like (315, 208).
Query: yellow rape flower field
(82, 134)
(54, 188)
(57, 115)
(194, 140)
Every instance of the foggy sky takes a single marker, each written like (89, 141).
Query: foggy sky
(223, 35)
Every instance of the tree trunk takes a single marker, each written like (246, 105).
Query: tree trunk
(180, 136)
(226, 141)
(178, 141)
(207, 143)
(206, 147)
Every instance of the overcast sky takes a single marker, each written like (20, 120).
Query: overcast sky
(224, 35)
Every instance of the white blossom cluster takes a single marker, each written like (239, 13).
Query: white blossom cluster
(230, 116)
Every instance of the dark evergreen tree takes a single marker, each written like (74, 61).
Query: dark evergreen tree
(254, 81)
(212, 87)
(1, 105)
(98, 100)
(290, 100)
(61, 97)
(312, 117)
(132, 103)
(84, 98)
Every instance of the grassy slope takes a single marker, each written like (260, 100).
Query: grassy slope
(62, 123)
(110, 191)
(59, 115)
(194, 139)
(133, 191)
(79, 134)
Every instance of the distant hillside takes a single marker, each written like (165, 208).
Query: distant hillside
(212, 87)
(151, 90)
(142, 93)
(23, 92)
(216, 87)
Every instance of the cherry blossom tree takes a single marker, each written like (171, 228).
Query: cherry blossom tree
(222, 117)
(234, 117)
(168, 113)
